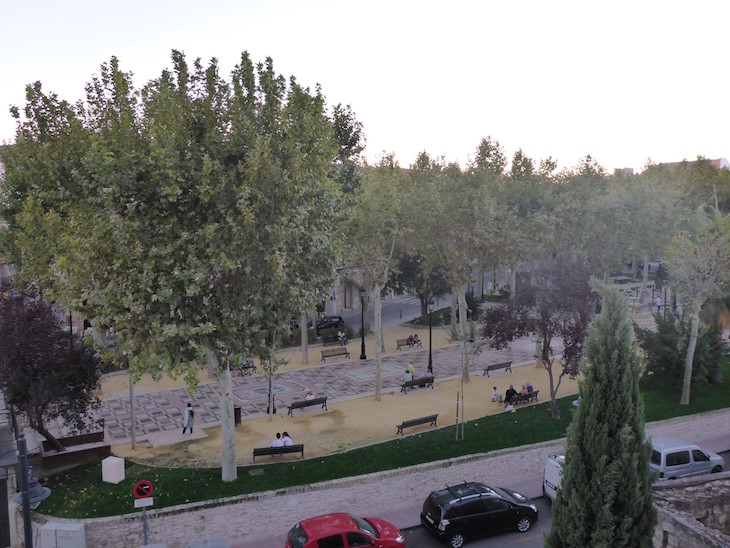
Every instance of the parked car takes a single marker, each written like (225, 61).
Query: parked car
(673, 458)
(342, 530)
(552, 476)
(326, 322)
(471, 509)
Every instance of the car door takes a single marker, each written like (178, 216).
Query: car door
(678, 464)
(471, 517)
(499, 515)
(700, 462)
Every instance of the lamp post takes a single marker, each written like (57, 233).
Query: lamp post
(361, 291)
(430, 333)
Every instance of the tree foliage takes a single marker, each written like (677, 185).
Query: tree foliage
(552, 302)
(42, 371)
(605, 498)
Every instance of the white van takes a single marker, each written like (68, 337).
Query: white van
(553, 475)
(673, 458)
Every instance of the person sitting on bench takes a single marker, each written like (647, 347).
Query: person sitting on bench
(429, 373)
(529, 387)
(287, 439)
(511, 392)
(342, 337)
(309, 396)
(416, 341)
(278, 442)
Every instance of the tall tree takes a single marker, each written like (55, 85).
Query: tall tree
(699, 267)
(206, 217)
(605, 498)
(40, 371)
(553, 302)
(375, 226)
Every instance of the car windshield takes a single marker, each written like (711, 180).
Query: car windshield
(509, 495)
(297, 537)
(366, 526)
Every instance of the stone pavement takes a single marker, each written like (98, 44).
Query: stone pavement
(158, 412)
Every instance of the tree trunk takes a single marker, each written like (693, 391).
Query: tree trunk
(378, 342)
(225, 401)
(513, 281)
(547, 362)
(644, 277)
(304, 329)
(454, 314)
(694, 328)
(41, 429)
(463, 343)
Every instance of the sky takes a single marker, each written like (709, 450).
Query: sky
(624, 81)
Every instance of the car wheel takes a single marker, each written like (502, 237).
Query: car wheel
(456, 540)
(717, 469)
(523, 524)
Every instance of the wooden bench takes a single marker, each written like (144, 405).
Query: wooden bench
(525, 398)
(416, 422)
(422, 382)
(402, 343)
(507, 366)
(331, 352)
(263, 451)
(307, 403)
(246, 368)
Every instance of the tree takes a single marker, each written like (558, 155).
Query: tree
(374, 229)
(554, 301)
(40, 371)
(605, 497)
(205, 219)
(699, 264)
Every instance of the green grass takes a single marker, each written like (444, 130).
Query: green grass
(80, 493)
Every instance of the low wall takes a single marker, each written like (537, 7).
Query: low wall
(693, 512)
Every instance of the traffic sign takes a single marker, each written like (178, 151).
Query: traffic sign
(143, 489)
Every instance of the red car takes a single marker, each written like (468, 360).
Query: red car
(343, 531)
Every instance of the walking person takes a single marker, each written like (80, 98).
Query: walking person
(188, 418)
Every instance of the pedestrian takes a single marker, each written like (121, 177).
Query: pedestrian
(411, 369)
(658, 302)
(188, 418)
(278, 442)
(286, 438)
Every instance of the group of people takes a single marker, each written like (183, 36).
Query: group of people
(413, 340)
(282, 440)
(410, 373)
(511, 393)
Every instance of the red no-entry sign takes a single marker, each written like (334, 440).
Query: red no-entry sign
(143, 489)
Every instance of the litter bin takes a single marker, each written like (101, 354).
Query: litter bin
(236, 415)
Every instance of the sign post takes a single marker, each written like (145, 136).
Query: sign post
(143, 498)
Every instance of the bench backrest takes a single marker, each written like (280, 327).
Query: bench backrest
(305, 403)
(276, 450)
(421, 420)
(334, 351)
(499, 365)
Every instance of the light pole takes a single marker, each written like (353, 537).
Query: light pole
(430, 333)
(361, 291)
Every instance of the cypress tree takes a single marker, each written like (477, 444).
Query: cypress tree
(606, 495)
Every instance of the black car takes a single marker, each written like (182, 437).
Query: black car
(472, 509)
(326, 322)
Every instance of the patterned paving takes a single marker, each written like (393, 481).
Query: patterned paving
(160, 412)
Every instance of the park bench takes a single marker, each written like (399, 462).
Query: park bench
(331, 352)
(422, 382)
(431, 419)
(402, 343)
(246, 368)
(263, 451)
(306, 403)
(507, 366)
(525, 398)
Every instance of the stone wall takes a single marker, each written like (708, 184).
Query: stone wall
(693, 512)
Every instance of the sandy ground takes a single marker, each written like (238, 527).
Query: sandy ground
(347, 424)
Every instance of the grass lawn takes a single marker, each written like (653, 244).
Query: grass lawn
(76, 495)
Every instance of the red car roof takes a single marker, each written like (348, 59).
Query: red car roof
(323, 526)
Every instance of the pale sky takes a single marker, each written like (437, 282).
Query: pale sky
(623, 81)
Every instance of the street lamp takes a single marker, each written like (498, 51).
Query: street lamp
(430, 333)
(361, 291)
